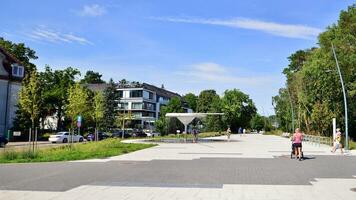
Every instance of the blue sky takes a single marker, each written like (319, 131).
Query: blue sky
(187, 45)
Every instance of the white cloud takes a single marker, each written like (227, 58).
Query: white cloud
(284, 30)
(42, 33)
(209, 71)
(93, 10)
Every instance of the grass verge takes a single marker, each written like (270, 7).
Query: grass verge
(81, 151)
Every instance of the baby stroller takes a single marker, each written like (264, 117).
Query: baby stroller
(293, 150)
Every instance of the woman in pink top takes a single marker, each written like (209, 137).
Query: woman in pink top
(297, 140)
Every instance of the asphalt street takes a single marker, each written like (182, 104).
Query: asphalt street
(199, 173)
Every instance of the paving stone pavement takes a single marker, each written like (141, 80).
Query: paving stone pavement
(250, 167)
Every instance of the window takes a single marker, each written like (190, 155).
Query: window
(120, 93)
(149, 106)
(17, 70)
(136, 106)
(135, 93)
(124, 106)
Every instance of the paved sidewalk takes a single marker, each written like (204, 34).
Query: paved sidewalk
(250, 167)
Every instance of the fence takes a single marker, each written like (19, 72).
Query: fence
(317, 140)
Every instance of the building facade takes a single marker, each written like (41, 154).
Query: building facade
(11, 74)
(143, 102)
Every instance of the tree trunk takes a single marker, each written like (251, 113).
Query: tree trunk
(59, 120)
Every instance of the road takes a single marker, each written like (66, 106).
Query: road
(251, 167)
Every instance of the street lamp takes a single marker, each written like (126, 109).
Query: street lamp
(345, 100)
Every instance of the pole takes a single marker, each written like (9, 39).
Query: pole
(345, 100)
(123, 125)
(334, 128)
(29, 139)
(36, 138)
(291, 105)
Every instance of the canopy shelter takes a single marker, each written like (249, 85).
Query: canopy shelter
(187, 118)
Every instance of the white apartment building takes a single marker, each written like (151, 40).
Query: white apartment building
(144, 101)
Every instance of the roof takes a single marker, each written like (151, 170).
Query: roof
(9, 60)
(159, 91)
(96, 86)
(12, 57)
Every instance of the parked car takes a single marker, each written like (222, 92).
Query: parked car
(118, 134)
(138, 133)
(101, 136)
(64, 137)
(153, 134)
(3, 141)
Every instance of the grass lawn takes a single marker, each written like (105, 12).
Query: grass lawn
(79, 151)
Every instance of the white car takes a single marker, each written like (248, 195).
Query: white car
(153, 134)
(64, 137)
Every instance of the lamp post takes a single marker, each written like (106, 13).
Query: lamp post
(345, 100)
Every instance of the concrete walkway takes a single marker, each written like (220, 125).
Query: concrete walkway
(250, 167)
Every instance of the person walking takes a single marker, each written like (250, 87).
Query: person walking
(297, 141)
(337, 142)
(228, 133)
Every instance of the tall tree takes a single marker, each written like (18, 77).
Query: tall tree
(238, 109)
(206, 97)
(30, 97)
(56, 86)
(92, 77)
(111, 105)
(77, 103)
(192, 100)
(314, 85)
(98, 108)
(165, 126)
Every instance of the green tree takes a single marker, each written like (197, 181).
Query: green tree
(98, 108)
(30, 101)
(238, 109)
(77, 103)
(30, 97)
(111, 97)
(191, 100)
(92, 77)
(314, 84)
(258, 122)
(205, 99)
(56, 86)
(164, 125)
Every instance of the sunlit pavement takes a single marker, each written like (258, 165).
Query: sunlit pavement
(247, 167)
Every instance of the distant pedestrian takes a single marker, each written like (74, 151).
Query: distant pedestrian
(244, 131)
(337, 142)
(297, 141)
(195, 135)
(240, 131)
(228, 133)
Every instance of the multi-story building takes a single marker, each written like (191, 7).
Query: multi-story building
(11, 75)
(144, 101)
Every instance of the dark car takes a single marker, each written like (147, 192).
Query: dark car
(3, 141)
(118, 134)
(101, 136)
(139, 133)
